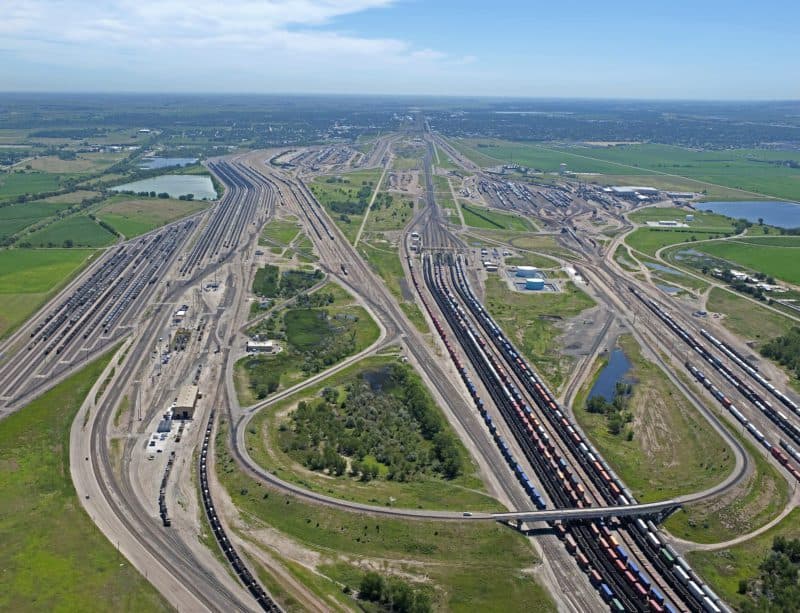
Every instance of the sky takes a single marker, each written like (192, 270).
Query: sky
(678, 49)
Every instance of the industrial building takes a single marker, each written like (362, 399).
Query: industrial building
(528, 272)
(261, 347)
(185, 403)
(490, 266)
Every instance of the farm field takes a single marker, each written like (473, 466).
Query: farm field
(19, 183)
(134, 216)
(478, 217)
(724, 568)
(740, 169)
(17, 217)
(780, 259)
(270, 447)
(673, 450)
(650, 240)
(81, 230)
(44, 530)
(83, 164)
(491, 560)
(29, 276)
(528, 319)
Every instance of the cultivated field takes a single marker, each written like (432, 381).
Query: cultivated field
(78, 231)
(134, 216)
(776, 259)
(28, 277)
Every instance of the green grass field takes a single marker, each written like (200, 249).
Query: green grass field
(724, 568)
(80, 229)
(331, 193)
(478, 217)
(388, 215)
(53, 557)
(19, 183)
(674, 450)
(282, 232)
(473, 567)
(779, 260)
(739, 169)
(530, 321)
(28, 277)
(650, 240)
(747, 319)
(132, 216)
(755, 502)
(429, 492)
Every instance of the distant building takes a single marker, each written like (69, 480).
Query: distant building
(690, 217)
(490, 266)
(635, 192)
(185, 403)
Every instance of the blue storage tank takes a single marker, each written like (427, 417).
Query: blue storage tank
(528, 271)
(534, 284)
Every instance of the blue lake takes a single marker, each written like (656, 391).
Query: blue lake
(175, 185)
(152, 163)
(773, 212)
(612, 373)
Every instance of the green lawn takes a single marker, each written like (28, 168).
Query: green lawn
(532, 259)
(80, 229)
(53, 557)
(29, 276)
(779, 260)
(674, 450)
(529, 320)
(724, 568)
(474, 567)
(390, 211)
(479, 217)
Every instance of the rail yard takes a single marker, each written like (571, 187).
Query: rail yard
(175, 307)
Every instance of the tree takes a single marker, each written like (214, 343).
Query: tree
(371, 587)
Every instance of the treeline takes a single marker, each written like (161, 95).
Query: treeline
(393, 594)
(785, 350)
(392, 428)
(776, 589)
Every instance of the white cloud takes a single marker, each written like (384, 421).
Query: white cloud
(248, 45)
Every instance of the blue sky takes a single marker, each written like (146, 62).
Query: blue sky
(704, 49)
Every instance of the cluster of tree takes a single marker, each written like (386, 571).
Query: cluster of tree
(106, 226)
(269, 283)
(315, 300)
(777, 588)
(71, 133)
(785, 350)
(383, 199)
(353, 204)
(393, 595)
(395, 425)
(616, 412)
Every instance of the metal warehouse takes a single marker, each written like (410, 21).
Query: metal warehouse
(186, 403)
